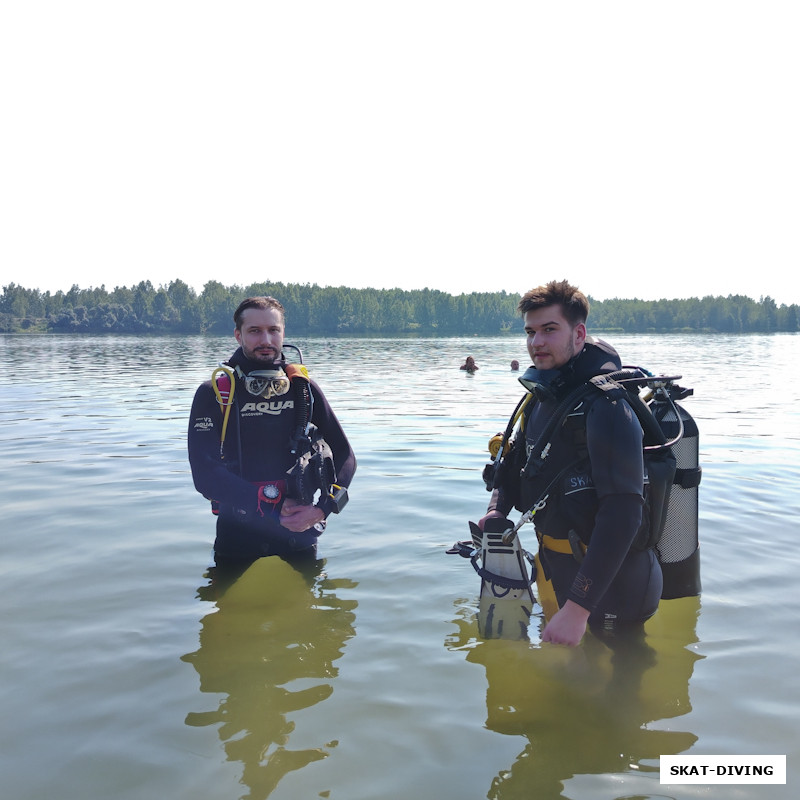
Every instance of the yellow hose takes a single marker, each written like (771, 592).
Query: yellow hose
(225, 404)
(496, 440)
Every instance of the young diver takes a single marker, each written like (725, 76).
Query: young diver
(590, 504)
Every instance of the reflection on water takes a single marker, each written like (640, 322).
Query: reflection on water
(105, 538)
(596, 709)
(269, 647)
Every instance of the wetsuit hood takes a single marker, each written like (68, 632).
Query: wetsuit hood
(596, 358)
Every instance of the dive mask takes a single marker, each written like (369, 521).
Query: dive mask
(267, 383)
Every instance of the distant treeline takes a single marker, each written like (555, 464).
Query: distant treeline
(316, 310)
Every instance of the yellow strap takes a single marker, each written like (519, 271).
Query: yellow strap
(557, 545)
(544, 590)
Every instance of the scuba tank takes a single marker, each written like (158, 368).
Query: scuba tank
(678, 549)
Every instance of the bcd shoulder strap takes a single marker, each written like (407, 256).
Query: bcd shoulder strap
(223, 382)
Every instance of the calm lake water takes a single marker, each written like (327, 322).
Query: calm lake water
(127, 673)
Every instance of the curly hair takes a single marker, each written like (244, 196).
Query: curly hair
(573, 302)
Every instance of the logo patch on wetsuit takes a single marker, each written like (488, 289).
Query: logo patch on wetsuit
(578, 482)
(275, 407)
(581, 585)
(203, 424)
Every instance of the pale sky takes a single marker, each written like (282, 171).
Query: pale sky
(638, 149)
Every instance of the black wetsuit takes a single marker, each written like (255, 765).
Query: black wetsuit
(594, 490)
(256, 450)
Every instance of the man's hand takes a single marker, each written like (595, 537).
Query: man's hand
(490, 515)
(298, 518)
(567, 625)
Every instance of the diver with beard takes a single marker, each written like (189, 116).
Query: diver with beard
(588, 484)
(265, 446)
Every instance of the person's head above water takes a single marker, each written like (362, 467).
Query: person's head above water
(555, 323)
(260, 328)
